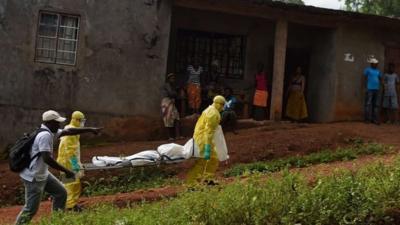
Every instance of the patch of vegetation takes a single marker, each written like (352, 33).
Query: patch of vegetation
(358, 148)
(132, 179)
(359, 198)
(128, 180)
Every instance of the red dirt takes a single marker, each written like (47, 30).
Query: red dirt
(8, 215)
(270, 141)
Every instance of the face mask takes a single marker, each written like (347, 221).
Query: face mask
(53, 127)
(219, 107)
(54, 131)
(81, 122)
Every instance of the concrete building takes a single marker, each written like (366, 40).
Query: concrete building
(109, 58)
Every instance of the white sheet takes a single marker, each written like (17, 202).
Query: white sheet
(166, 153)
(220, 144)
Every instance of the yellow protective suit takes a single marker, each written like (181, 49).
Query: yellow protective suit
(69, 157)
(203, 134)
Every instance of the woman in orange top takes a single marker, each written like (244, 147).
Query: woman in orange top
(261, 94)
(194, 86)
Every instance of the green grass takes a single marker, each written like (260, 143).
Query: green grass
(129, 180)
(325, 156)
(358, 198)
(152, 177)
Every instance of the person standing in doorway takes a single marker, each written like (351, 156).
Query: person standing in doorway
(296, 107)
(194, 72)
(390, 100)
(372, 79)
(169, 111)
(261, 94)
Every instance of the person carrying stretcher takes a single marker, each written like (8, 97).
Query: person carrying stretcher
(206, 166)
(69, 156)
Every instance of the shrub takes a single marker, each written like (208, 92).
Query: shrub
(325, 156)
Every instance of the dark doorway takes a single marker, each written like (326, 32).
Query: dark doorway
(295, 57)
(392, 55)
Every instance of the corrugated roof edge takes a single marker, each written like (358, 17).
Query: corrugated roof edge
(318, 10)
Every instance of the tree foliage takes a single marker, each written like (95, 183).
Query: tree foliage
(378, 7)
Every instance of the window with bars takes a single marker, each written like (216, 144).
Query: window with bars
(57, 38)
(229, 50)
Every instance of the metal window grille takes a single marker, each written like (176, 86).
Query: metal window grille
(229, 50)
(57, 38)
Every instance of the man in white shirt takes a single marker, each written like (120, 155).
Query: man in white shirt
(36, 177)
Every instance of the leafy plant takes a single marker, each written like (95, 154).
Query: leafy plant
(325, 156)
(378, 7)
(128, 180)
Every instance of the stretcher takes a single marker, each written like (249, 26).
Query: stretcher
(165, 154)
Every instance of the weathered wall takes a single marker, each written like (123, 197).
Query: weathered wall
(321, 91)
(335, 89)
(360, 42)
(122, 49)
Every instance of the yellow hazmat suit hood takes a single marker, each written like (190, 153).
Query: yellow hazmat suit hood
(219, 102)
(78, 119)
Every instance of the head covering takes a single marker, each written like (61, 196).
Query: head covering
(52, 115)
(78, 119)
(219, 99)
(219, 102)
(78, 115)
(170, 75)
(373, 61)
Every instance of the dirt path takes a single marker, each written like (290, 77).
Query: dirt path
(255, 144)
